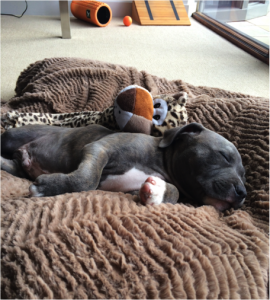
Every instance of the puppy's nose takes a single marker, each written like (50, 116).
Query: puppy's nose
(240, 191)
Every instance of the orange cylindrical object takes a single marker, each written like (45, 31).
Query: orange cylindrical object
(95, 12)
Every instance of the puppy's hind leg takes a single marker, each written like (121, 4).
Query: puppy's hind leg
(14, 138)
(13, 167)
(85, 178)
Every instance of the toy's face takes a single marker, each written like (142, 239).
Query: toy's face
(121, 116)
(135, 110)
(176, 114)
(160, 111)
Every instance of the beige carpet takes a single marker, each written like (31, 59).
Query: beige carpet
(193, 53)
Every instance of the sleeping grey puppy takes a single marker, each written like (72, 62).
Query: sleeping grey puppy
(196, 161)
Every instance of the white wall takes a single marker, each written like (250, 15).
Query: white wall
(51, 8)
(120, 8)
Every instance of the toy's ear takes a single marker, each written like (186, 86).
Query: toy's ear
(181, 97)
(175, 133)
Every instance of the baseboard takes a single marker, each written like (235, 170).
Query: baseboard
(257, 49)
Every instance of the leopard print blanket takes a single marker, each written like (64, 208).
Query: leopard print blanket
(176, 116)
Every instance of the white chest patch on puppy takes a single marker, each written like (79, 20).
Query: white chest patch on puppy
(127, 182)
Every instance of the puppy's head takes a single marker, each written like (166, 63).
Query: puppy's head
(205, 166)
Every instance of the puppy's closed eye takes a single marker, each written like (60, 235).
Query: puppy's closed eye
(226, 156)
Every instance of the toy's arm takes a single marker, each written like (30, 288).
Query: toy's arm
(14, 119)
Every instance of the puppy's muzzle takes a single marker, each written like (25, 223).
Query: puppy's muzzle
(240, 193)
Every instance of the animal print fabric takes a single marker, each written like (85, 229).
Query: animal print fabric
(176, 116)
(14, 119)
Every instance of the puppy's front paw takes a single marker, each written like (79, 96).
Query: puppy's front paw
(152, 191)
(34, 192)
(42, 186)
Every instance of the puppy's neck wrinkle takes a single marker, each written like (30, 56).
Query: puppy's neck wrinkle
(184, 192)
(169, 167)
(169, 164)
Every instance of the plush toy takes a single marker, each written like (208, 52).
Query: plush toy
(134, 110)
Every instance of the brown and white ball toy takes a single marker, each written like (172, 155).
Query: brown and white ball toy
(135, 110)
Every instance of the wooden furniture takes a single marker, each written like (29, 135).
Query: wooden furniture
(160, 13)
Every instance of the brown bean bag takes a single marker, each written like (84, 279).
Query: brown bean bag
(100, 244)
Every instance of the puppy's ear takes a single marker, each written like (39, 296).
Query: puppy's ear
(175, 133)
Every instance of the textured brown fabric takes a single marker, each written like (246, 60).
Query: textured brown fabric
(68, 85)
(244, 122)
(103, 245)
(72, 84)
(106, 245)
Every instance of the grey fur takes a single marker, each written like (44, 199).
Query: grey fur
(78, 159)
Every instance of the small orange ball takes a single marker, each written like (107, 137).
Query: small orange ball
(127, 20)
